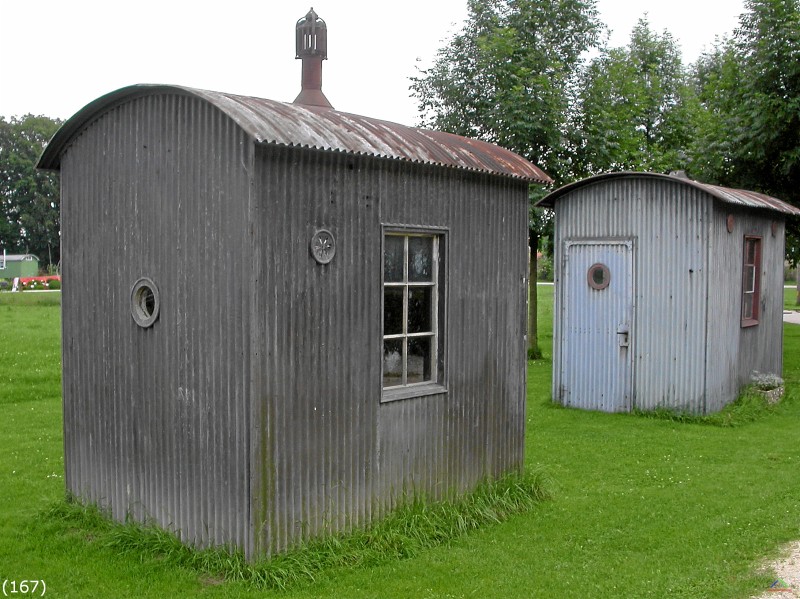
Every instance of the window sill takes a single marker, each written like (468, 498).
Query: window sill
(749, 323)
(407, 392)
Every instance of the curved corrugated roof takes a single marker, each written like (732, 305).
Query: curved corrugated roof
(271, 122)
(19, 257)
(740, 197)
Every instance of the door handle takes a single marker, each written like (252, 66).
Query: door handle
(622, 337)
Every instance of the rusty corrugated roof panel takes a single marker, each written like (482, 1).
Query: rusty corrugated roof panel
(752, 199)
(271, 122)
(741, 197)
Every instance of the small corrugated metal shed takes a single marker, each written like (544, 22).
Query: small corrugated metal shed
(296, 315)
(668, 291)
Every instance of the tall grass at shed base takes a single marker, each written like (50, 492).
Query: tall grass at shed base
(750, 406)
(408, 530)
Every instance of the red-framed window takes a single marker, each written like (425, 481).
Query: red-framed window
(751, 281)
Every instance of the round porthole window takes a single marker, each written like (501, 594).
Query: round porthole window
(599, 276)
(144, 302)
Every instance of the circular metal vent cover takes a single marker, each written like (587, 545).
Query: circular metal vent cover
(323, 246)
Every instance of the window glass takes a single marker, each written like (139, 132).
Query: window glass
(749, 278)
(747, 306)
(750, 254)
(419, 310)
(598, 276)
(393, 258)
(419, 359)
(392, 362)
(393, 310)
(420, 259)
(145, 303)
(751, 281)
(411, 301)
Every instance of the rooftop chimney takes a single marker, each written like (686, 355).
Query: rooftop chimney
(312, 48)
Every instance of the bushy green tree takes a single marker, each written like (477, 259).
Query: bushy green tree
(748, 119)
(29, 199)
(716, 81)
(505, 78)
(633, 107)
(768, 136)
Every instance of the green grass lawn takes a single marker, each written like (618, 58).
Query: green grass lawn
(790, 299)
(641, 508)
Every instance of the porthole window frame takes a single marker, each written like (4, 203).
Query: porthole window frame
(141, 314)
(606, 276)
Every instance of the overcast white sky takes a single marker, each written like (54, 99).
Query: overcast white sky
(58, 55)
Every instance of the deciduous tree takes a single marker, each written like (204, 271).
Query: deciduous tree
(632, 111)
(29, 199)
(748, 122)
(505, 78)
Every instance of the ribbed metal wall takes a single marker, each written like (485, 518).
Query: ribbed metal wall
(669, 223)
(338, 457)
(735, 352)
(157, 420)
(250, 413)
(691, 352)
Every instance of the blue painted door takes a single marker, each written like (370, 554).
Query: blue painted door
(596, 327)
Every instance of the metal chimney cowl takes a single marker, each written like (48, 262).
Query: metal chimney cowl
(312, 48)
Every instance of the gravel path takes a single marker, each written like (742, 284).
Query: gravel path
(792, 316)
(787, 570)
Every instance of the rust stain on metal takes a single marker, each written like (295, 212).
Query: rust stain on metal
(310, 126)
(295, 125)
(741, 197)
(744, 197)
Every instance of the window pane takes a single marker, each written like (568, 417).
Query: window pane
(393, 251)
(419, 310)
(420, 259)
(393, 310)
(747, 306)
(392, 362)
(419, 359)
(750, 252)
(749, 279)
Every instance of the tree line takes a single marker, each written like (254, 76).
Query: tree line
(29, 199)
(538, 77)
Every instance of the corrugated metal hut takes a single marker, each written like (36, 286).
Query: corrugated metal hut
(668, 292)
(278, 318)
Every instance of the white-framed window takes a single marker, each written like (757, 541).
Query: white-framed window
(751, 281)
(413, 312)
